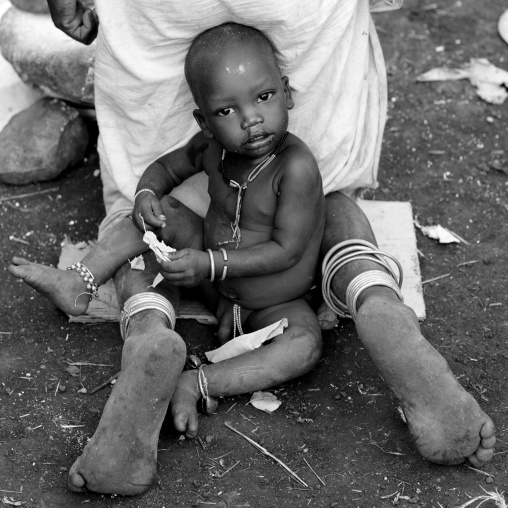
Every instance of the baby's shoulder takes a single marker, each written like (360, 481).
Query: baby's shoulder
(202, 150)
(297, 157)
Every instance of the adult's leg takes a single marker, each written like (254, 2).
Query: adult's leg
(120, 458)
(445, 421)
(68, 289)
(286, 357)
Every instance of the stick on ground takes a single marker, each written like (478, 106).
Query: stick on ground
(266, 452)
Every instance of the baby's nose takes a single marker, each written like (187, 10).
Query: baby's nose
(251, 118)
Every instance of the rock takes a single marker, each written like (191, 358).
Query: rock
(41, 141)
(46, 58)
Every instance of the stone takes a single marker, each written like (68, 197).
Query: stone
(41, 141)
(46, 58)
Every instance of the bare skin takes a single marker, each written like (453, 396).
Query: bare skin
(290, 355)
(445, 421)
(121, 456)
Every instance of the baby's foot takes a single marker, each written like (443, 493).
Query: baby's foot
(183, 404)
(65, 288)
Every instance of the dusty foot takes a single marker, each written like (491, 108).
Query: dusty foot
(445, 421)
(61, 287)
(183, 404)
(121, 457)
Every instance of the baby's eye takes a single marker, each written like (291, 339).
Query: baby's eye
(226, 111)
(265, 96)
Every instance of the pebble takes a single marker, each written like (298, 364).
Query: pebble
(489, 479)
(62, 388)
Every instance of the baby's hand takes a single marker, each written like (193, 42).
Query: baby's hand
(148, 206)
(186, 267)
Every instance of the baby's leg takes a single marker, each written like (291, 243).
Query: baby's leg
(445, 421)
(288, 356)
(67, 289)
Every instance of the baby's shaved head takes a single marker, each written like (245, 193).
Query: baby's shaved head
(211, 43)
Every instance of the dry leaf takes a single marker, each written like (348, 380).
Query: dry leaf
(10, 501)
(439, 233)
(489, 81)
(73, 370)
(265, 401)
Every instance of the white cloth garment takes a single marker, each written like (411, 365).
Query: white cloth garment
(330, 52)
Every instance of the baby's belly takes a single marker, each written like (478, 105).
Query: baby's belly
(266, 290)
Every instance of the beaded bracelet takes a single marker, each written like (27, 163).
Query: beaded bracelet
(212, 265)
(225, 269)
(143, 190)
(87, 276)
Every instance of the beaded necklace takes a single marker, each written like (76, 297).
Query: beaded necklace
(235, 226)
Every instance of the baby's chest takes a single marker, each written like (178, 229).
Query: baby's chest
(255, 202)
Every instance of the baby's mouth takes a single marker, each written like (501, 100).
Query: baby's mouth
(260, 136)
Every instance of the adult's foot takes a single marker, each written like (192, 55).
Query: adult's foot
(65, 288)
(121, 457)
(445, 421)
(183, 404)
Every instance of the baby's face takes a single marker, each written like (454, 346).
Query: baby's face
(245, 101)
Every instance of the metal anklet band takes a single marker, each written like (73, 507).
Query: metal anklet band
(145, 301)
(143, 190)
(347, 252)
(87, 277)
(366, 280)
(208, 404)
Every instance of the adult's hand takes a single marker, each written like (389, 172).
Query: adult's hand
(74, 19)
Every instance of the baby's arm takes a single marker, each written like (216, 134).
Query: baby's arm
(162, 176)
(298, 219)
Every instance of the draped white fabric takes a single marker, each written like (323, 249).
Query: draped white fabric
(329, 50)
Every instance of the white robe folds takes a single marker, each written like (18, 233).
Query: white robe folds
(330, 52)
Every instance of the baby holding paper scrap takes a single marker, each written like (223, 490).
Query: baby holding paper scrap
(255, 254)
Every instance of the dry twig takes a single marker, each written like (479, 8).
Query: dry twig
(266, 452)
(102, 385)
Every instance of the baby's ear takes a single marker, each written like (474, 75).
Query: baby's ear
(287, 92)
(203, 125)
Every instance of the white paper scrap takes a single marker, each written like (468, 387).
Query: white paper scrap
(265, 401)
(158, 247)
(247, 342)
(157, 281)
(138, 263)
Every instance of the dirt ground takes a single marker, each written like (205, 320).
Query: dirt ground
(338, 428)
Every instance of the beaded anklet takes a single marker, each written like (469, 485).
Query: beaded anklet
(87, 277)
